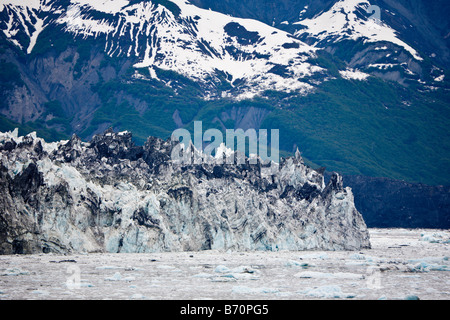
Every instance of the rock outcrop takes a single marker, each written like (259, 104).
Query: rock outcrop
(110, 195)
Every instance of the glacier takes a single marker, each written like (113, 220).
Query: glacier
(110, 195)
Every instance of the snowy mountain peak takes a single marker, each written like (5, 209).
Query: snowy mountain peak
(202, 45)
(353, 19)
(227, 56)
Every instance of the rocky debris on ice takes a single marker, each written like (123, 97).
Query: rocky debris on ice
(109, 195)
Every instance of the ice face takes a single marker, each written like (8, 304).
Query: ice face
(110, 195)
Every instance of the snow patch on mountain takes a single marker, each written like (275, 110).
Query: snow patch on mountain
(78, 24)
(351, 74)
(347, 20)
(107, 6)
(34, 4)
(31, 24)
(440, 78)
(39, 26)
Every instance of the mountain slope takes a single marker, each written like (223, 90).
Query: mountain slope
(199, 44)
(386, 203)
(422, 24)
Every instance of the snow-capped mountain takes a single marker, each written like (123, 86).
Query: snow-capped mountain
(349, 19)
(384, 54)
(210, 47)
(175, 35)
(403, 28)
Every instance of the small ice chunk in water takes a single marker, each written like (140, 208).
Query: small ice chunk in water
(330, 291)
(41, 292)
(202, 275)
(15, 272)
(435, 237)
(248, 290)
(229, 278)
(425, 266)
(108, 267)
(138, 296)
(295, 263)
(222, 269)
(323, 275)
(310, 256)
(244, 269)
(116, 277)
(359, 257)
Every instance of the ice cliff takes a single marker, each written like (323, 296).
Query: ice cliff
(110, 195)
